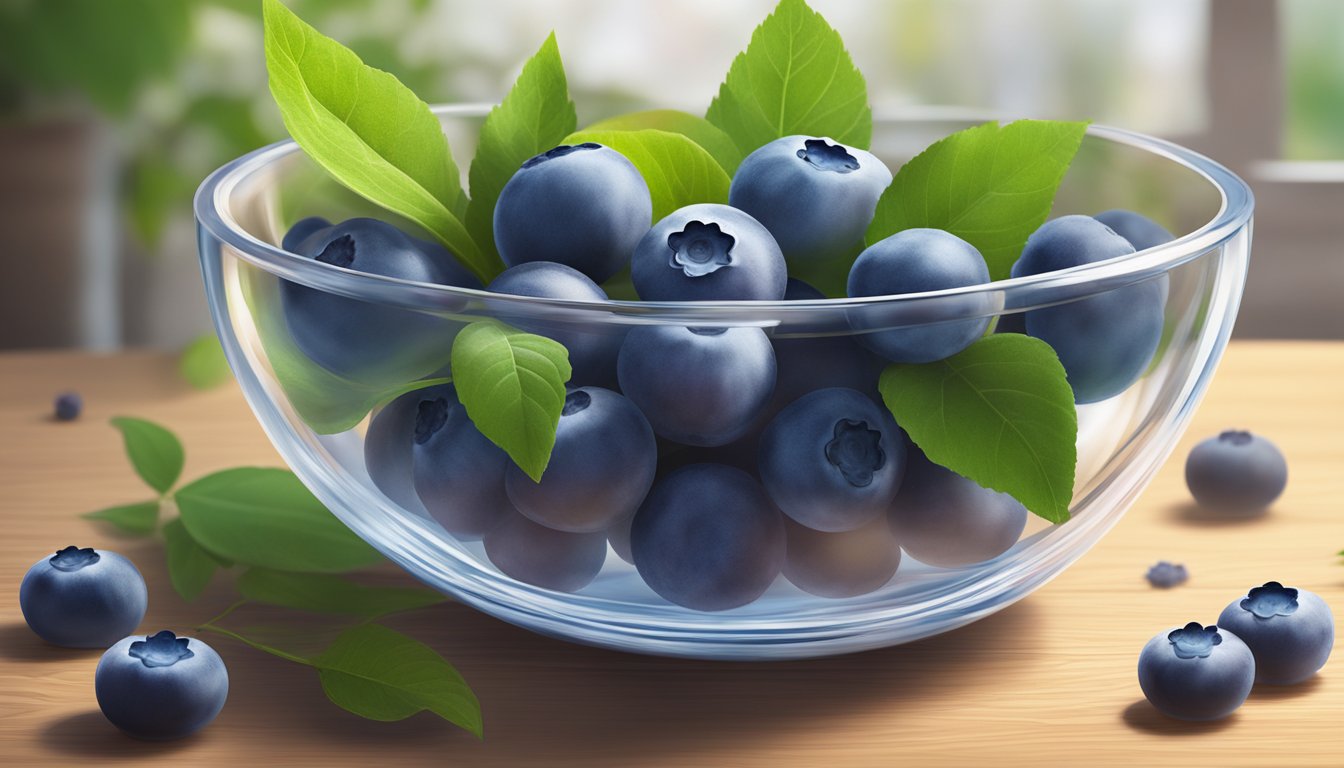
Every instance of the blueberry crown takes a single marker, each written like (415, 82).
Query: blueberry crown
(430, 416)
(1194, 641)
(560, 151)
(1273, 599)
(161, 650)
(576, 401)
(339, 252)
(856, 451)
(73, 558)
(700, 248)
(1235, 437)
(824, 156)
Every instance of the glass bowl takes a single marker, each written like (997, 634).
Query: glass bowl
(243, 209)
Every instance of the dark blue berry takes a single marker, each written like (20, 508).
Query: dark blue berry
(161, 686)
(83, 598)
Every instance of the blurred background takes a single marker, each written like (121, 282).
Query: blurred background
(111, 112)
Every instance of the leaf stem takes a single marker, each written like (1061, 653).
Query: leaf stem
(208, 627)
(236, 605)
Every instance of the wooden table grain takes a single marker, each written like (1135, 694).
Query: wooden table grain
(1049, 681)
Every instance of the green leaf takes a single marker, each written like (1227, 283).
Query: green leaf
(535, 116)
(266, 517)
(324, 593)
(202, 363)
(367, 130)
(718, 144)
(1000, 412)
(384, 675)
(155, 452)
(794, 78)
(990, 185)
(135, 519)
(513, 387)
(678, 171)
(190, 567)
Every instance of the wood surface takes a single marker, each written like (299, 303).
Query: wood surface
(1049, 681)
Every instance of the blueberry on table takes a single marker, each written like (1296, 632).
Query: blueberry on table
(1290, 631)
(1106, 341)
(601, 467)
(815, 195)
(839, 565)
(915, 261)
(457, 471)
(708, 252)
(67, 406)
(161, 686)
(1196, 672)
(708, 538)
(1166, 575)
(389, 440)
(544, 557)
(697, 386)
(360, 340)
(946, 520)
(1236, 471)
(83, 598)
(593, 347)
(583, 205)
(1141, 232)
(832, 460)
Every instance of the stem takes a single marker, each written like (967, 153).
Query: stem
(208, 627)
(222, 616)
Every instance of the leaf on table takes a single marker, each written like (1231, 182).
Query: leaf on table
(384, 675)
(155, 453)
(678, 171)
(990, 185)
(138, 519)
(326, 593)
(190, 567)
(513, 387)
(795, 77)
(267, 517)
(708, 136)
(1000, 412)
(535, 116)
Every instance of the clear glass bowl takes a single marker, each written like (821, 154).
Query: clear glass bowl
(244, 207)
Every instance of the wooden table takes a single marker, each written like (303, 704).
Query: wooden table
(1048, 681)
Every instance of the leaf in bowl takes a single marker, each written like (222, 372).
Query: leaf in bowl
(710, 137)
(678, 171)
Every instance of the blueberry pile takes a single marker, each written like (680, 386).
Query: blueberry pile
(714, 459)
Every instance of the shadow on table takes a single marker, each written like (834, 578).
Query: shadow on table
(18, 643)
(88, 734)
(1142, 716)
(1263, 692)
(1190, 513)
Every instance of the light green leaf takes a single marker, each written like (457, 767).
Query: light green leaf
(190, 567)
(134, 519)
(266, 517)
(155, 452)
(202, 363)
(513, 387)
(990, 185)
(367, 130)
(325, 593)
(794, 78)
(678, 171)
(535, 116)
(384, 675)
(718, 144)
(1000, 413)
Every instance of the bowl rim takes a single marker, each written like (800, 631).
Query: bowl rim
(1236, 206)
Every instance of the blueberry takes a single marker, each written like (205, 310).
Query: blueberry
(832, 460)
(366, 342)
(545, 557)
(946, 520)
(618, 536)
(592, 348)
(839, 565)
(584, 206)
(1106, 341)
(1196, 673)
(458, 473)
(161, 686)
(1290, 631)
(815, 195)
(1236, 471)
(302, 230)
(67, 406)
(708, 252)
(698, 386)
(601, 467)
(83, 598)
(808, 363)
(915, 261)
(708, 538)
(1141, 232)
(1166, 575)
(389, 440)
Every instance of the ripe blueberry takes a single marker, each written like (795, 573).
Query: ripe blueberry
(1141, 232)
(708, 252)
(1196, 673)
(1290, 631)
(808, 363)
(161, 686)
(67, 406)
(83, 598)
(584, 206)
(839, 565)
(458, 473)
(545, 557)
(389, 440)
(1236, 471)
(1166, 575)
(301, 230)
